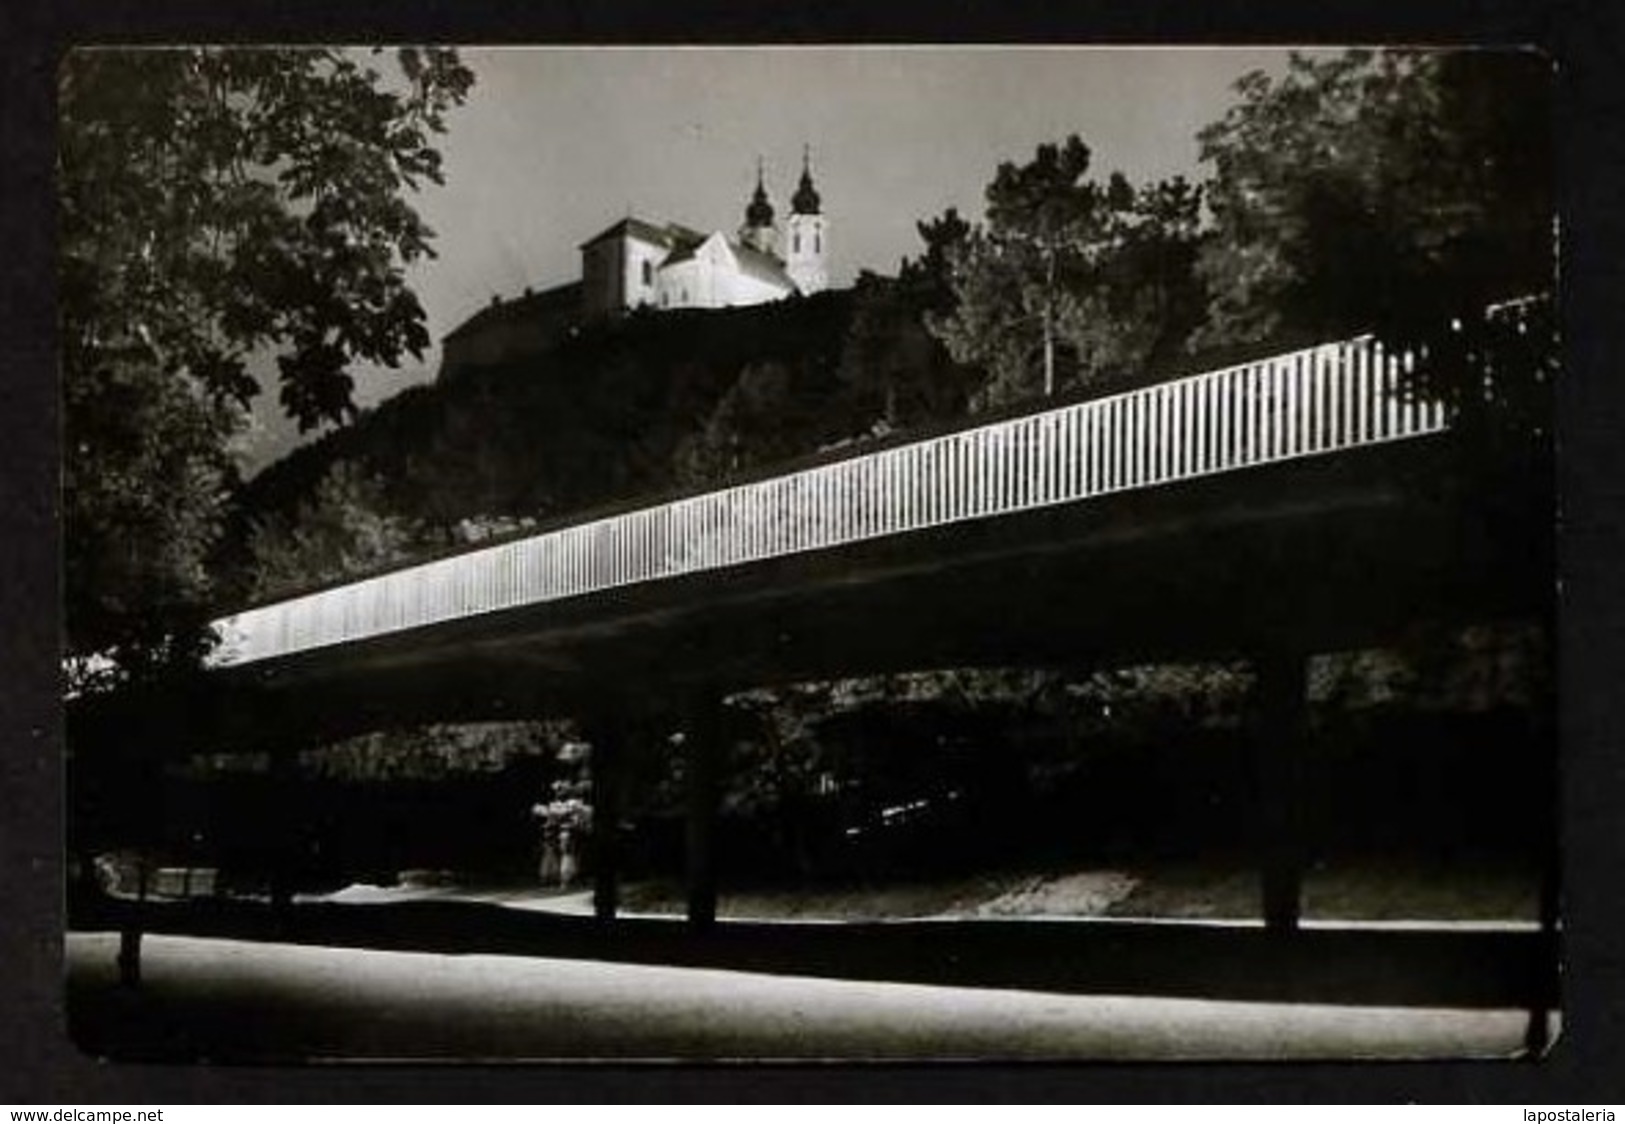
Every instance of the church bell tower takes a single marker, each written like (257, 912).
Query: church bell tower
(806, 251)
(759, 232)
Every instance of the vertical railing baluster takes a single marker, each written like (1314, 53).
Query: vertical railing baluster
(977, 474)
(1014, 452)
(1004, 456)
(936, 480)
(821, 490)
(847, 510)
(1130, 441)
(1187, 427)
(1280, 383)
(1165, 438)
(1412, 420)
(1039, 460)
(1270, 406)
(942, 473)
(1181, 450)
(1070, 460)
(1150, 453)
(1258, 395)
(1091, 449)
(1205, 412)
(1102, 455)
(1022, 433)
(1302, 382)
(987, 472)
(1314, 426)
(1345, 397)
(995, 447)
(1120, 443)
(1329, 394)
(1136, 441)
(1108, 446)
(1148, 435)
(897, 465)
(1362, 391)
(1258, 391)
(1020, 477)
(1088, 446)
(1244, 416)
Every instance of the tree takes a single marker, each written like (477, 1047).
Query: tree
(219, 207)
(893, 369)
(344, 530)
(1071, 280)
(1395, 191)
(1408, 194)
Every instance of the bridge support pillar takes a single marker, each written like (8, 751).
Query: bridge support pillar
(607, 736)
(1281, 731)
(285, 801)
(703, 751)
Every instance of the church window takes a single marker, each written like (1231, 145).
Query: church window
(797, 242)
(648, 272)
(818, 241)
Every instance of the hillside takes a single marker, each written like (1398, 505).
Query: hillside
(614, 411)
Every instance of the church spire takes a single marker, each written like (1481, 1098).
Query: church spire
(760, 211)
(805, 201)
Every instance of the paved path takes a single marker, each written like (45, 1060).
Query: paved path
(230, 1000)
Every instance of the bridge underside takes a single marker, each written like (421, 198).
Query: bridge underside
(1317, 555)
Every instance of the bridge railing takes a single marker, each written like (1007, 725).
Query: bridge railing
(1303, 403)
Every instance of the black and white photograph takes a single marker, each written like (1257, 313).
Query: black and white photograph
(809, 553)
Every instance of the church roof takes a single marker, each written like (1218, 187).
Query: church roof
(752, 262)
(763, 267)
(668, 234)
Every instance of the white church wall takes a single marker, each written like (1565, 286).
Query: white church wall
(687, 284)
(642, 269)
(743, 289)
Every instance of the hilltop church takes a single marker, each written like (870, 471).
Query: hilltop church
(639, 264)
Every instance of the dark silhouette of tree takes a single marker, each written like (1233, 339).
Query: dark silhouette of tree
(219, 206)
(1406, 193)
(344, 530)
(894, 371)
(1070, 280)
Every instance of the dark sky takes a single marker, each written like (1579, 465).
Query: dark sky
(553, 145)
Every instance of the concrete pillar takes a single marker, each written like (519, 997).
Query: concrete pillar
(1547, 795)
(129, 937)
(607, 736)
(285, 805)
(1280, 742)
(702, 748)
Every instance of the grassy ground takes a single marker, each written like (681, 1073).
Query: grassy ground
(1372, 889)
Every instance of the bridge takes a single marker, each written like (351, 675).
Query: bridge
(1297, 503)
(1305, 404)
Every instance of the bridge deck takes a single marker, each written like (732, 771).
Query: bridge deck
(1303, 404)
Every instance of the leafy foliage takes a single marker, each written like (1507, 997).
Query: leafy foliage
(219, 205)
(1071, 280)
(344, 530)
(1396, 191)
(1408, 194)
